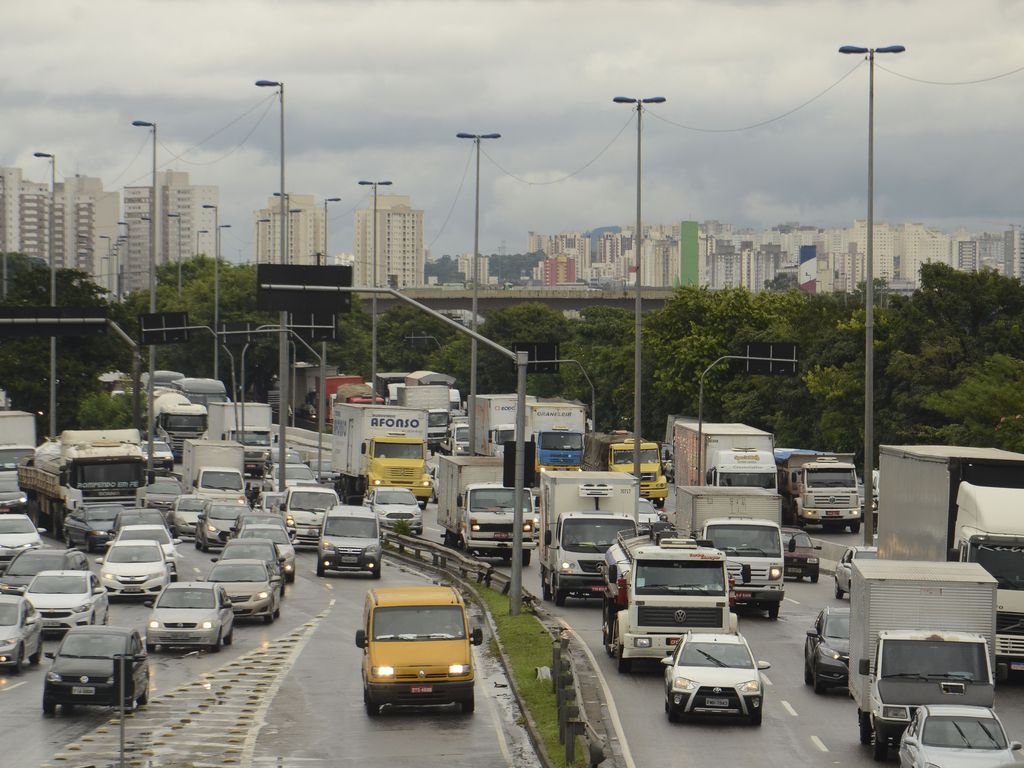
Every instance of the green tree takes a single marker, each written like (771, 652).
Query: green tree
(98, 410)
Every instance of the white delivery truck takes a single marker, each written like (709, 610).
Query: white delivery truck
(658, 588)
(246, 423)
(722, 454)
(581, 513)
(743, 523)
(432, 398)
(496, 422)
(920, 633)
(557, 427)
(17, 439)
(477, 512)
(213, 469)
(177, 419)
(380, 446)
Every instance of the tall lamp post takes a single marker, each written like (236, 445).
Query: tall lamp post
(373, 284)
(53, 289)
(110, 263)
(217, 226)
(259, 236)
(869, 295)
(154, 227)
(637, 312)
(177, 218)
(321, 406)
(471, 402)
(282, 337)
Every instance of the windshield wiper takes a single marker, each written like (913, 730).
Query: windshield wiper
(963, 735)
(718, 662)
(989, 734)
(912, 675)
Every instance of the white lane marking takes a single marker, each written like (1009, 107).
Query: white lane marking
(331, 604)
(328, 585)
(613, 711)
(196, 570)
(12, 687)
(791, 600)
(818, 743)
(764, 677)
(493, 708)
(788, 707)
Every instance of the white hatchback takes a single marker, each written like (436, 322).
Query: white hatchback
(155, 533)
(134, 568)
(66, 599)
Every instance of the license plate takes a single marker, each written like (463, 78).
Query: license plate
(350, 559)
(503, 535)
(741, 595)
(83, 690)
(716, 702)
(133, 590)
(597, 589)
(1017, 665)
(5, 509)
(422, 689)
(831, 513)
(673, 641)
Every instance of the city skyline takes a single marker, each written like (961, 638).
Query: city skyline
(370, 94)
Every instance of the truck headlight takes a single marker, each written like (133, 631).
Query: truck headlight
(775, 573)
(527, 527)
(567, 567)
(458, 669)
(426, 483)
(895, 713)
(211, 528)
(154, 624)
(683, 684)
(383, 671)
(750, 686)
(641, 642)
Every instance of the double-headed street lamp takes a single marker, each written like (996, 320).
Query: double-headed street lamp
(53, 289)
(471, 402)
(217, 227)
(259, 236)
(110, 263)
(869, 295)
(326, 201)
(282, 337)
(177, 218)
(637, 319)
(154, 228)
(373, 284)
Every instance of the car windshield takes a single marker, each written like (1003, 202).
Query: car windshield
(395, 497)
(801, 538)
(186, 597)
(275, 533)
(71, 584)
(16, 524)
(102, 514)
(298, 472)
(419, 622)
(934, 660)
(560, 441)
(161, 447)
(194, 504)
(397, 450)
(163, 486)
(132, 533)
(238, 572)
(222, 481)
(246, 550)
(686, 577)
(837, 625)
(351, 527)
(9, 484)
(732, 655)
(754, 540)
(963, 733)
(135, 553)
(152, 517)
(223, 512)
(594, 535)
(31, 563)
(8, 614)
(312, 500)
(92, 645)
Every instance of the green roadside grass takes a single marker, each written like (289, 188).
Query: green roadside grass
(527, 645)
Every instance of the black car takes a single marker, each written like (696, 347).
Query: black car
(137, 516)
(89, 527)
(827, 650)
(87, 668)
(28, 563)
(258, 549)
(12, 498)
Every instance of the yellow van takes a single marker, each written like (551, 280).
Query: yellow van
(415, 643)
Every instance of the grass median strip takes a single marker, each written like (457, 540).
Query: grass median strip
(527, 645)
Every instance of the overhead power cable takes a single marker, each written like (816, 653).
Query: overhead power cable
(949, 82)
(458, 192)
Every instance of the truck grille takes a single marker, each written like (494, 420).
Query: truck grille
(841, 500)
(401, 473)
(1008, 623)
(758, 573)
(647, 477)
(671, 616)
(590, 566)
(494, 528)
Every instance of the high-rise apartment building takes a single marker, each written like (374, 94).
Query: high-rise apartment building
(483, 268)
(304, 236)
(399, 254)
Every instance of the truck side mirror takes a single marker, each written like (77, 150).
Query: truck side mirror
(458, 500)
(792, 544)
(1002, 672)
(547, 538)
(745, 573)
(477, 636)
(362, 448)
(864, 667)
(360, 638)
(613, 573)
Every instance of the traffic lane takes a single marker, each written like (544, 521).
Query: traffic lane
(34, 739)
(322, 697)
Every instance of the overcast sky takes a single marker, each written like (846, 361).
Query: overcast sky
(378, 90)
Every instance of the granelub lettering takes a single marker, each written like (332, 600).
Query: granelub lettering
(394, 422)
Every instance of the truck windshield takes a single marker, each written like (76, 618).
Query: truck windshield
(749, 540)
(419, 622)
(497, 500)
(747, 479)
(501, 436)
(688, 577)
(592, 535)
(252, 438)
(108, 477)
(647, 456)
(1004, 562)
(205, 398)
(934, 659)
(184, 421)
(10, 458)
(462, 433)
(831, 478)
(437, 419)
(560, 441)
(222, 481)
(397, 450)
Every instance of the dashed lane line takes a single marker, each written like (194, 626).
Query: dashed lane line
(12, 687)
(791, 600)
(819, 744)
(766, 679)
(788, 707)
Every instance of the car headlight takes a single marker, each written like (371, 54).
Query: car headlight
(211, 528)
(895, 713)
(110, 577)
(567, 567)
(372, 551)
(154, 624)
(52, 677)
(527, 527)
(263, 595)
(775, 573)
(81, 608)
(750, 686)
(828, 653)
(207, 625)
(683, 684)
(288, 567)
(458, 669)
(109, 680)
(7, 645)
(383, 671)
(812, 561)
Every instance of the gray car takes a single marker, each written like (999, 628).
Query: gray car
(160, 493)
(247, 582)
(21, 633)
(191, 613)
(278, 535)
(956, 737)
(184, 515)
(349, 541)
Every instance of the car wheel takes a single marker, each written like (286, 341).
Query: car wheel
(839, 591)
(372, 709)
(526, 557)
(377, 571)
(319, 567)
(755, 719)
(819, 684)
(229, 638)
(855, 527)
(268, 619)
(35, 657)
(880, 748)
(196, 542)
(469, 705)
(559, 594)
(814, 578)
(291, 577)
(19, 659)
(215, 648)
(773, 611)
(150, 648)
(808, 675)
(49, 708)
(143, 698)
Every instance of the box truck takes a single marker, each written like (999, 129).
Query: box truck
(557, 427)
(722, 454)
(432, 398)
(613, 452)
(495, 422)
(248, 424)
(17, 438)
(214, 469)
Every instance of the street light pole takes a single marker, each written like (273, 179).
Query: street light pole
(177, 218)
(373, 284)
(638, 309)
(154, 228)
(282, 337)
(110, 263)
(259, 236)
(471, 402)
(321, 406)
(53, 290)
(217, 226)
(869, 296)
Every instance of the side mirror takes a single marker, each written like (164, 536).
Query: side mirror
(176, 541)
(812, 632)
(1016, 746)
(139, 656)
(458, 500)
(148, 603)
(40, 530)
(99, 561)
(792, 544)
(764, 665)
(864, 667)
(667, 661)
(214, 559)
(99, 591)
(818, 547)
(107, 543)
(30, 620)
(547, 538)
(50, 655)
(360, 638)
(477, 636)
(613, 573)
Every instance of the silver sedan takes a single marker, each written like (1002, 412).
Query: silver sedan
(951, 735)
(191, 613)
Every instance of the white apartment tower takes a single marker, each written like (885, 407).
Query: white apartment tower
(400, 255)
(304, 234)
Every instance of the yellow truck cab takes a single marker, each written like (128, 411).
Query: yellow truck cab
(416, 648)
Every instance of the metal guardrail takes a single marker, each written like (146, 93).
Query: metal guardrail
(447, 559)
